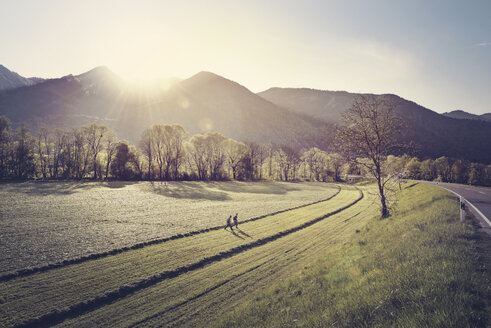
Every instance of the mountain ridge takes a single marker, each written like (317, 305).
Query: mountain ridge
(299, 117)
(11, 80)
(460, 114)
(435, 134)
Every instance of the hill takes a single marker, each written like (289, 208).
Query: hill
(201, 103)
(11, 80)
(468, 116)
(434, 134)
(301, 118)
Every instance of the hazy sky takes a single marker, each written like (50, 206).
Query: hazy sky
(436, 53)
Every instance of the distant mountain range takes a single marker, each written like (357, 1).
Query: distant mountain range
(468, 116)
(298, 117)
(204, 102)
(434, 134)
(11, 80)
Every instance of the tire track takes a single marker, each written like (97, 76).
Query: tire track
(73, 311)
(31, 271)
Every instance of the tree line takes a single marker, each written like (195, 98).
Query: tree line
(164, 152)
(167, 152)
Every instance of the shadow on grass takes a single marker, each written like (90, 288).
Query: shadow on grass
(254, 188)
(422, 206)
(190, 190)
(243, 233)
(235, 234)
(46, 188)
(411, 185)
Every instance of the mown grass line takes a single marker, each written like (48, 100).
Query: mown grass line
(192, 316)
(207, 291)
(33, 296)
(307, 245)
(59, 315)
(419, 268)
(30, 271)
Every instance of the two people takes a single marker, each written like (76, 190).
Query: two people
(235, 220)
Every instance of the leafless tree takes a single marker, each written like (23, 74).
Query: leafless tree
(370, 130)
(94, 134)
(110, 143)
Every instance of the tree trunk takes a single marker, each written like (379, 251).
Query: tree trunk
(385, 211)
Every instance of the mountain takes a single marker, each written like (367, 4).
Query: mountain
(325, 105)
(201, 103)
(468, 116)
(434, 134)
(301, 118)
(486, 116)
(11, 80)
(64, 102)
(208, 102)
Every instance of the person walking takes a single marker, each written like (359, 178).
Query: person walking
(236, 222)
(229, 223)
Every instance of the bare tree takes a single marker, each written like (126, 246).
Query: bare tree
(235, 151)
(207, 152)
(370, 132)
(146, 145)
(5, 145)
(336, 162)
(288, 160)
(110, 142)
(94, 133)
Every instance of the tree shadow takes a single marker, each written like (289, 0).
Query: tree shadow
(117, 184)
(254, 188)
(46, 188)
(189, 190)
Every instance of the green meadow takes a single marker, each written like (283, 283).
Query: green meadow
(327, 262)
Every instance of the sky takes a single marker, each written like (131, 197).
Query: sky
(436, 53)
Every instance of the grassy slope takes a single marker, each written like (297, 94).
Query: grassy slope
(35, 295)
(46, 222)
(420, 268)
(200, 296)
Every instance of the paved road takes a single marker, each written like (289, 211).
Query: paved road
(480, 197)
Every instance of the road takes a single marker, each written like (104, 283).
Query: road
(480, 197)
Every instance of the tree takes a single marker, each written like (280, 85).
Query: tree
(5, 146)
(336, 162)
(413, 168)
(24, 154)
(443, 168)
(207, 152)
(44, 145)
(121, 166)
(369, 131)
(146, 145)
(428, 170)
(257, 155)
(459, 171)
(165, 143)
(94, 134)
(477, 174)
(288, 160)
(110, 143)
(312, 160)
(235, 152)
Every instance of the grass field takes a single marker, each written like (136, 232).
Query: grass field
(332, 263)
(45, 222)
(420, 268)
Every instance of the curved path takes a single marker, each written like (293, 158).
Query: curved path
(74, 289)
(478, 197)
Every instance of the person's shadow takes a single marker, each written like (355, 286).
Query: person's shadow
(243, 233)
(235, 233)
